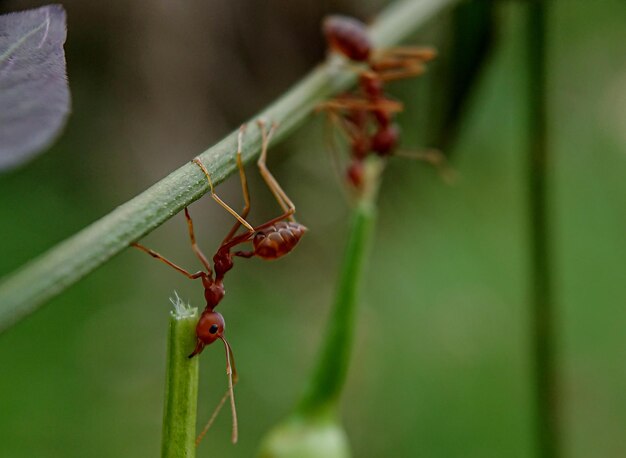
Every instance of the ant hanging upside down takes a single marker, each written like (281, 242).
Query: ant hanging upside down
(270, 240)
(367, 115)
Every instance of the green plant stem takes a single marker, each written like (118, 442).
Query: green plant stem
(181, 387)
(313, 429)
(471, 40)
(542, 302)
(24, 291)
(330, 374)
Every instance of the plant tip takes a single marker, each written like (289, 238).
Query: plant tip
(181, 309)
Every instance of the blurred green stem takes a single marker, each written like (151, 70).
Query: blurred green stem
(313, 430)
(181, 385)
(334, 359)
(471, 39)
(24, 291)
(543, 311)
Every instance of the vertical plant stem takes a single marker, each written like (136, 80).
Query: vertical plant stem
(313, 430)
(471, 38)
(332, 366)
(543, 312)
(181, 386)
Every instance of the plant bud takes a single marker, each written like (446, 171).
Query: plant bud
(300, 437)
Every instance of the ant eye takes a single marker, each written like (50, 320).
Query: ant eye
(213, 329)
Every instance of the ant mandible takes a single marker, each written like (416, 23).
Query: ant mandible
(270, 240)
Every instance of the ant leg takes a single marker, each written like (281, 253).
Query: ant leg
(423, 53)
(352, 102)
(244, 254)
(332, 120)
(394, 73)
(392, 63)
(194, 246)
(435, 158)
(161, 258)
(349, 129)
(215, 197)
(281, 197)
(401, 63)
(231, 373)
(352, 67)
(244, 186)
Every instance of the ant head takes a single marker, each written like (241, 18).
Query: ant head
(210, 327)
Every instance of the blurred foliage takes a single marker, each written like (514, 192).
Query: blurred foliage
(34, 92)
(441, 363)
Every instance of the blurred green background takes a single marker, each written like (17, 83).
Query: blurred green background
(442, 361)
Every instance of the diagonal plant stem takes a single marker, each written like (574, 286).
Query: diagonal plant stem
(24, 291)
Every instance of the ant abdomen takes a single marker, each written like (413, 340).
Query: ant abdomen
(278, 239)
(348, 36)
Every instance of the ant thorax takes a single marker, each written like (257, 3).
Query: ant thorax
(222, 262)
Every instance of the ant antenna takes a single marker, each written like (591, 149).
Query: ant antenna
(231, 372)
(435, 158)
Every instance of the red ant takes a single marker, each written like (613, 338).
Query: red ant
(348, 36)
(358, 113)
(270, 240)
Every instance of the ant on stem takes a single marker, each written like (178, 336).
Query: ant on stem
(367, 117)
(348, 36)
(270, 240)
